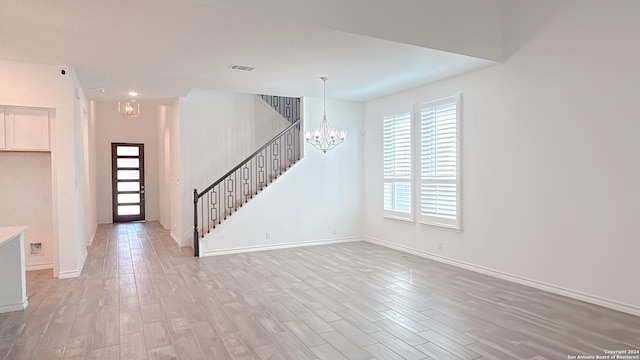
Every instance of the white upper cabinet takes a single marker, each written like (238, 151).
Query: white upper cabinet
(25, 129)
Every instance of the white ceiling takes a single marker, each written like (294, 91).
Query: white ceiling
(165, 48)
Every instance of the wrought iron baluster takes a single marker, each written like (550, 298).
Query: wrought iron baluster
(266, 165)
(283, 156)
(274, 159)
(236, 204)
(254, 176)
(289, 150)
(216, 201)
(275, 156)
(244, 183)
(295, 136)
(258, 172)
(210, 207)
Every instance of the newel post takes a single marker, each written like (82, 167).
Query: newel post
(196, 238)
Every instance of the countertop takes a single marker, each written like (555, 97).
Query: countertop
(8, 233)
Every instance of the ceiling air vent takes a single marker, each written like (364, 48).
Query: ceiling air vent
(241, 67)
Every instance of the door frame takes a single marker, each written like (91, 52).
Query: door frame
(114, 185)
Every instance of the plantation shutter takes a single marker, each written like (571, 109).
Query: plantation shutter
(397, 164)
(439, 186)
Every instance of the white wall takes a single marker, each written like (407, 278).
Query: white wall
(305, 204)
(40, 85)
(550, 157)
(25, 199)
(113, 127)
(217, 131)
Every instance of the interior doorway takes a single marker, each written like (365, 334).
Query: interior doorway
(127, 172)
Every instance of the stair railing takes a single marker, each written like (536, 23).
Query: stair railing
(243, 182)
(289, 108)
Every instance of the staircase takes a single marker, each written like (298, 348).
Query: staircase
(226, 195)
(288, 108)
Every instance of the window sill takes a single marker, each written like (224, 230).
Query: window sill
(455, 228)
(398, 218)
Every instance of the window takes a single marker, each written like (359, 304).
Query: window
(436, 139)
(439, 163)
(397, 165)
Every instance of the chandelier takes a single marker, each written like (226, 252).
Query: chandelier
(325, 137)
(129, 107)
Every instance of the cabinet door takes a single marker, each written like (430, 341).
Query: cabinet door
(2, 144)
(26, 129)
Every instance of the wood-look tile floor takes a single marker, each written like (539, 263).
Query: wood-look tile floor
(141, 297)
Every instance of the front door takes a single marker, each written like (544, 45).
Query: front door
(127, 164)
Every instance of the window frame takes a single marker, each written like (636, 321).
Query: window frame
(429, 219)
(393, 214)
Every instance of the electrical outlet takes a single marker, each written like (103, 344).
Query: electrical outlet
(440, 246)
(36, 249)
(334, 231)
(268, 235)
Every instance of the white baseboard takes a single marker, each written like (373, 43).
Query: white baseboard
(177, 241)
(277, 246)
(38, 267)
(15, 306)
(85, 253)
(69, 274)
(90, 242)
(611, 304)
